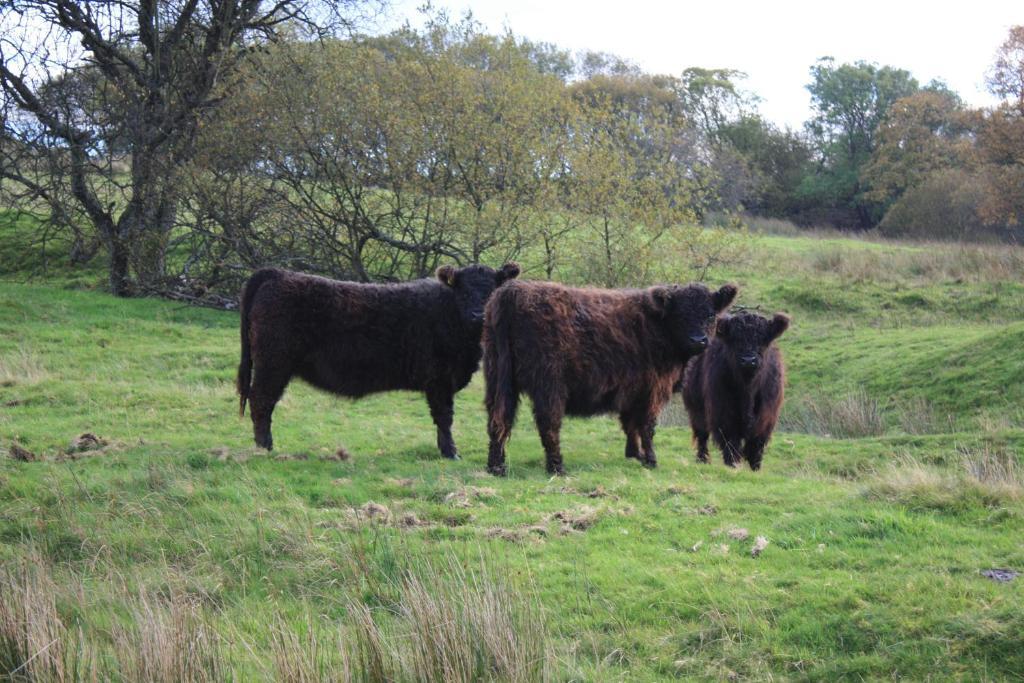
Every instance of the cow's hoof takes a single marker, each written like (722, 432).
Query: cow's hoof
(702, 459)
(454, 455)
(649, 464)
(556, 471)
(497, 470)
(265, 442)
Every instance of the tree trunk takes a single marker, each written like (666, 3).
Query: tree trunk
(146, 223)
(120, 279)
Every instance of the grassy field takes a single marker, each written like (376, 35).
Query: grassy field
(172, 550)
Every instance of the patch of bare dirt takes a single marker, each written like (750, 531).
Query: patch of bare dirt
(760, 543)
(226, 454)
(18, 452)
(87, 441)
(579, 519)
(599, 492)
(467, 495)
(291, 456)
(340, 455)
(409, 520)
(87, 445)
(375, 512)
(522, 534)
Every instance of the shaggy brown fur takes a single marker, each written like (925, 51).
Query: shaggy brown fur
(589, 351)
(356, 339)
(733, 391)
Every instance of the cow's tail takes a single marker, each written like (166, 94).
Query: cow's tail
(244, 378)
(501, 394)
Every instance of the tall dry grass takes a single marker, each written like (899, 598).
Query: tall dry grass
(445, 624)
(451, 625)
(21, 366)
(166, 641)
(849, 416)
(978, 476)
(927, 262)
(35, 643)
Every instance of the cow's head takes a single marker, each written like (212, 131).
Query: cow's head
(473, 285)
(690, 313)
(746, 336)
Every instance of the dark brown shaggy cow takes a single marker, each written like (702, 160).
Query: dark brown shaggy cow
(589, 351)
(733, 391)
(356, 339)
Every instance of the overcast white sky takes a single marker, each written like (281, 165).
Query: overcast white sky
(775, 43)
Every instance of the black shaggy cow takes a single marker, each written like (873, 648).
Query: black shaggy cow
(588, 351)
(733, 391)
(356, 339)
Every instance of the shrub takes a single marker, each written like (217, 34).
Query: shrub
(944, 206)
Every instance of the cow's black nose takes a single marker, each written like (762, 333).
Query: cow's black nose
(699, 339)
(748, 361)
(477, 317)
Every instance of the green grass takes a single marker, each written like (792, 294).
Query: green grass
(875, 543)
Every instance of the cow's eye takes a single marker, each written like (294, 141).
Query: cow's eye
(710, 319)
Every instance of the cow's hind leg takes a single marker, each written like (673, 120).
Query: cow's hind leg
(701, 437)
(442, 410)
(629, 428)
(268, 385)
(501, 416)
(502, 407)
(548, 413)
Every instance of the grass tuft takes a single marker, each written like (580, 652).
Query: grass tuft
(986, 478)
(35, 643)
(21, 367)
(852, 416)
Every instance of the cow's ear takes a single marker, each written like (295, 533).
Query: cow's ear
(446, 274)
(778, 325)
(722, 299)
(659, 299)
(509, 271)
(722, 326)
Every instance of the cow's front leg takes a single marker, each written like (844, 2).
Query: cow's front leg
(267, 388)
(753, 450)
(442, 409)
(648, 459)
(730, 444)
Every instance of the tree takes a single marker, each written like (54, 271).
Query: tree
(632, 181)
(1000, 144)
(1006, 78)
(778, 160)
(713, 100)
(156, 70)
(849, 102)
(921, 134)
